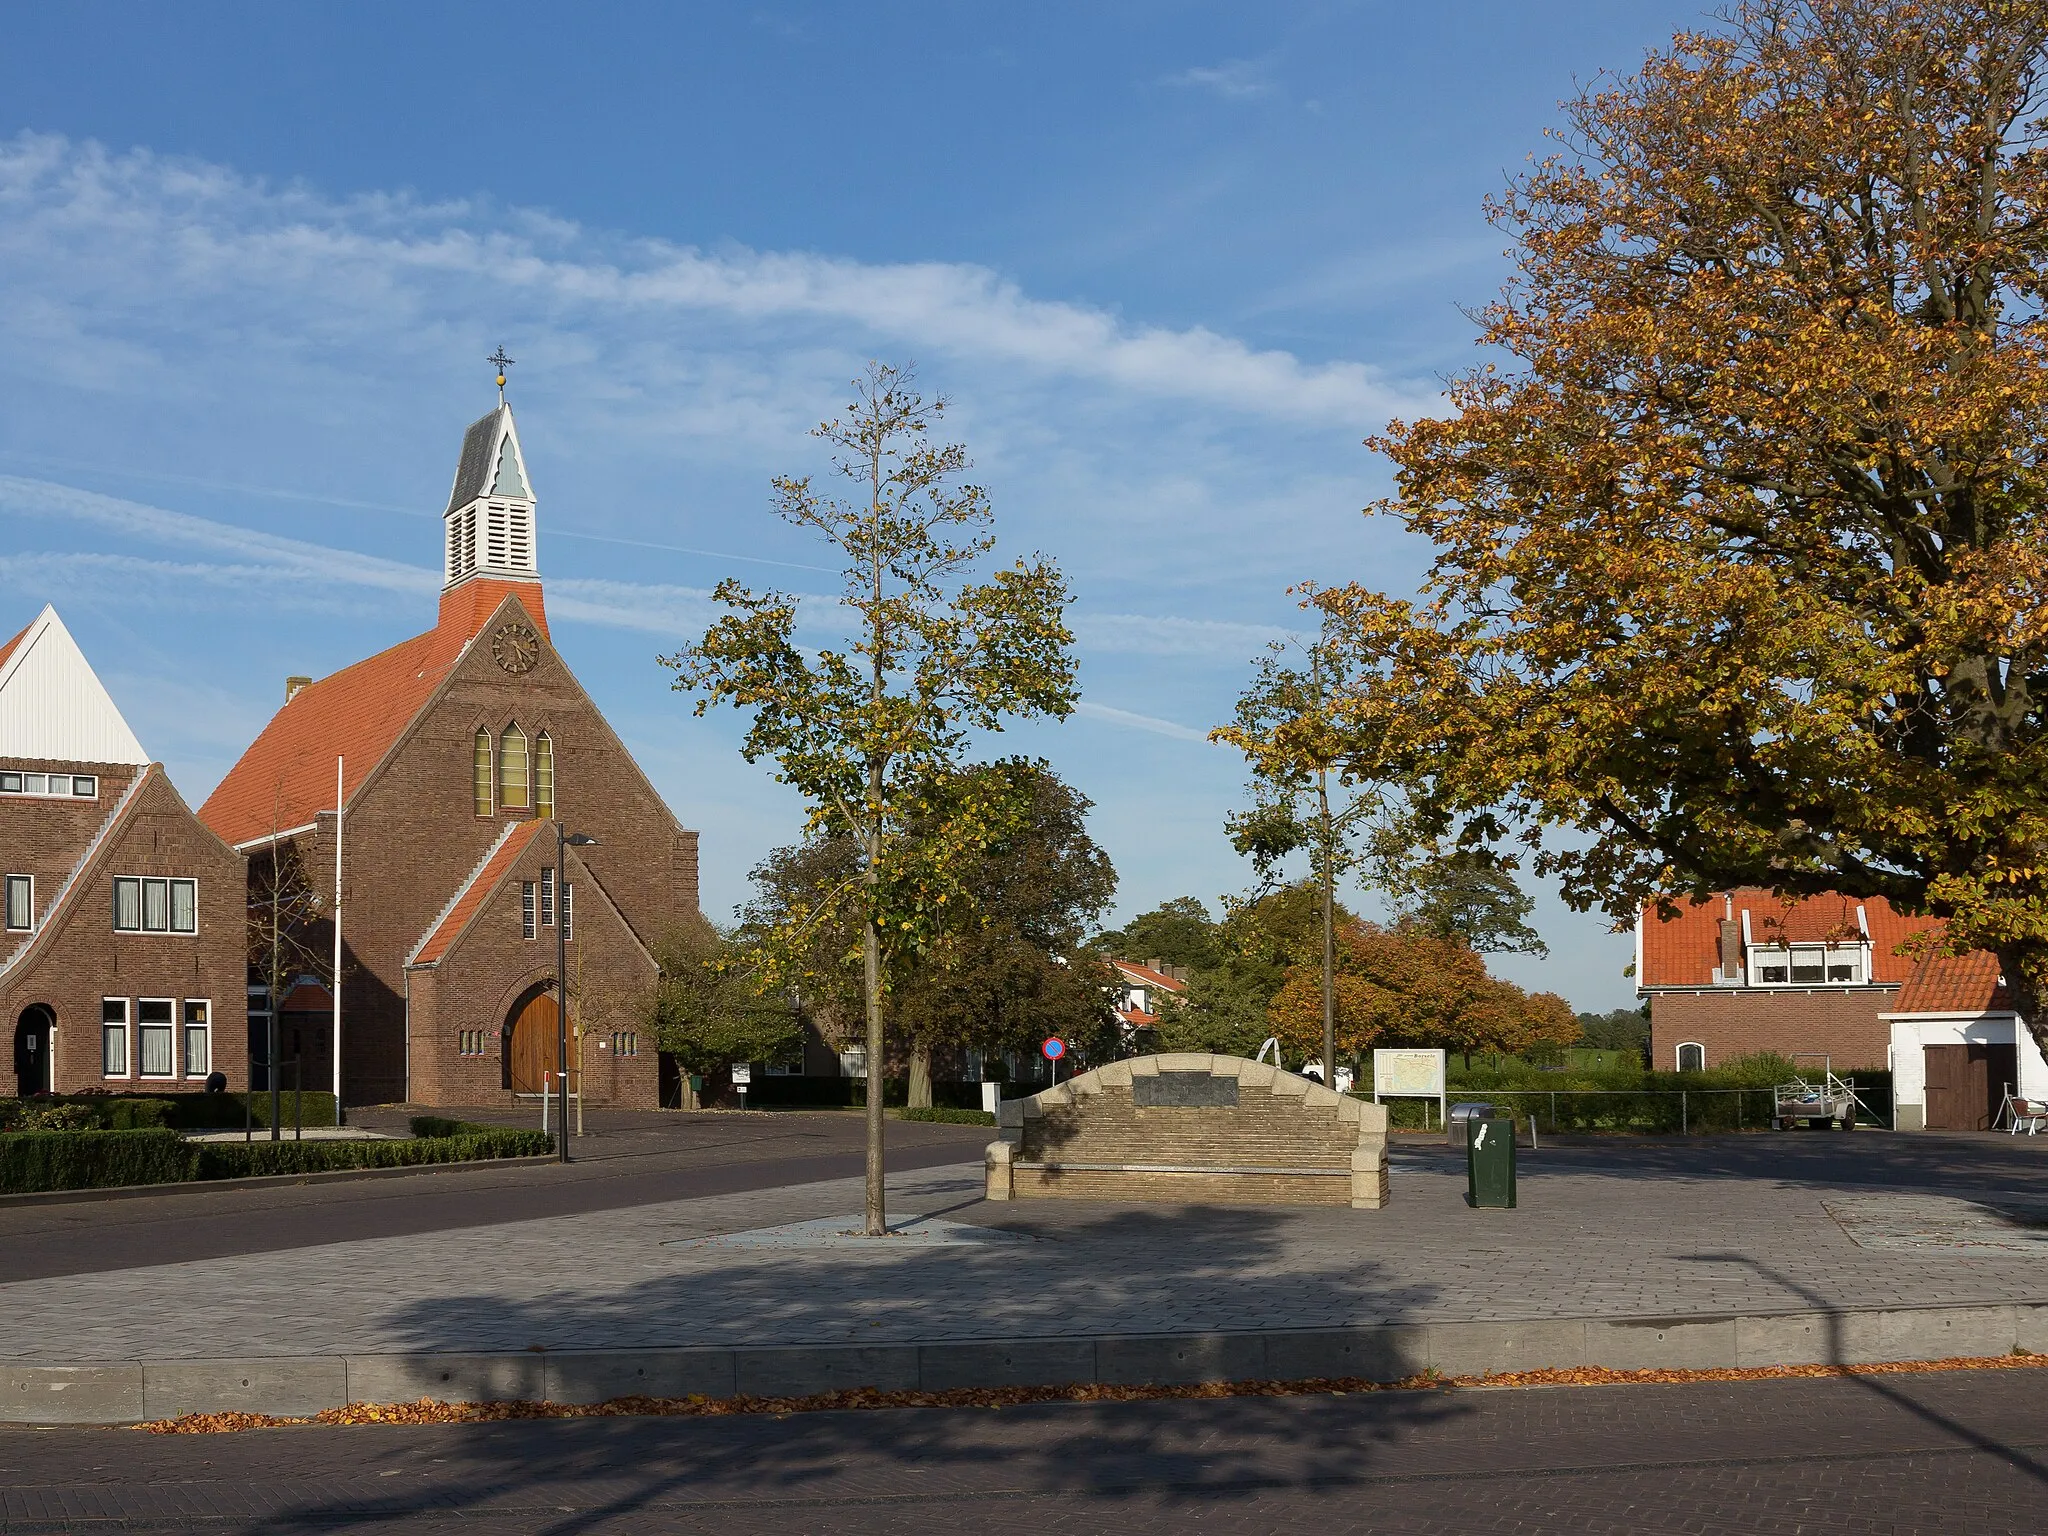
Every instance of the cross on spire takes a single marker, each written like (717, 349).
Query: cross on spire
(502, 362)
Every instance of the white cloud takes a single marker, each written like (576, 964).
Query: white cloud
(1134, 721)
(1136, 634)
(1234, 80)
(128, 228)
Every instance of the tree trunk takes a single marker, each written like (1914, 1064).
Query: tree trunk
(871, 962)
(1329, 882)
(2023, 966)
(920, 1076)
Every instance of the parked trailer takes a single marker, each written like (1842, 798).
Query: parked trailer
(1829, 1101)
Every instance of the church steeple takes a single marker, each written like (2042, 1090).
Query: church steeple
(489, 521)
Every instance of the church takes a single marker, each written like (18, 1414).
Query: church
(441, 774)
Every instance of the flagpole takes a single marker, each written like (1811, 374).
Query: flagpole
(335, 989)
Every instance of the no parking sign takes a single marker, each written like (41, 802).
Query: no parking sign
(1054, 1048)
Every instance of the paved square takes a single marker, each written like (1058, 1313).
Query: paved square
(1610, 1233)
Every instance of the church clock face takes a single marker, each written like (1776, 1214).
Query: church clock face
(516, 648)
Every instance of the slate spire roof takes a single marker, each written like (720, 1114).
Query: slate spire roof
(286, 778)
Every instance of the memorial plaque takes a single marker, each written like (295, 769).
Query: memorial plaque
(1184, 1090)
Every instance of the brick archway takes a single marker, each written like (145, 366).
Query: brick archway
(34, 1035)
(532, 1043)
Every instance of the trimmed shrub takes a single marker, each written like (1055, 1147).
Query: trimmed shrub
(236, 1160)
(138, 1114)
(49, 1115)
(944, 1116)
(440, 1125)
(32, 1161)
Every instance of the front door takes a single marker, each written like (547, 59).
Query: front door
(536, 1044)
(1959, 1092)
(32, 1052)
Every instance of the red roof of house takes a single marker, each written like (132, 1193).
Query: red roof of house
(308, 997)
(286, 778)
(1147, 976)
(7, 650)
(1683, 951)
(1966, 984)
(474, 891)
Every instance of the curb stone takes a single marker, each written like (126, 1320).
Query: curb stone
(261, 1181)
(129, 1391)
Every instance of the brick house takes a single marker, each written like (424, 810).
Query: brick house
(122, 950)
(1145, 991)
(1748, 971)
(460, 753)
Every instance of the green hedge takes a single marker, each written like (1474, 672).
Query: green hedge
(179, 1111)
(237, 1159)
(440, 1125)
(33, 1161)
(945, 1116)
(1735, 1096)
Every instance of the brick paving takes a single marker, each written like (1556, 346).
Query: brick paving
(1959, 1452)
(1601, 1233)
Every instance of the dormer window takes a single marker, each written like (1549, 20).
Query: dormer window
(1809, 965)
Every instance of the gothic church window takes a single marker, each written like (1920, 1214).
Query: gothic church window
(543, 776)
(515, 791)
(482, 774)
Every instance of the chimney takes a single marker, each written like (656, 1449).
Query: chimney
(1731, 950)
(293, 684)
(1156, 964)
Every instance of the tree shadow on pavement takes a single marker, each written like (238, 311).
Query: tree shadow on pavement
(620, 1467)
(1837, 1351)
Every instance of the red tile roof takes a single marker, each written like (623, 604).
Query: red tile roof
(1966, 984)
(308, 997)
(1683, 951)
(470, 897)
(7, 650)
(1145, 975)
(286, 778)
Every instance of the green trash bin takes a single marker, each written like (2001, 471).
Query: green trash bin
(1490, 1163)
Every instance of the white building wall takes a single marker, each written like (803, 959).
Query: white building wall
(1911, 1035)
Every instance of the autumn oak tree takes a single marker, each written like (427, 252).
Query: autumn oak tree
(867, 729)
(1740, 544)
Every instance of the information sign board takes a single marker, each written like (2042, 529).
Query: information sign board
(1410, 1074)
(742, 1074)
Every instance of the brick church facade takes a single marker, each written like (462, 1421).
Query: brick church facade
(461, 753)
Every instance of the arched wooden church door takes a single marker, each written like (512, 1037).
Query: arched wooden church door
(536, 1044)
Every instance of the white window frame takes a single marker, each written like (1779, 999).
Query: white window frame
(170, 1026)
(529, 921)
(169, 883)
(547, 898)
(7, 899)
(568, 911)
(124, 1025)
(1678, 1056)
(1785, 957)
(185, 1031)
(14, 781)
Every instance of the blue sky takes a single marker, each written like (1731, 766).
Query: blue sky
(1170, 262)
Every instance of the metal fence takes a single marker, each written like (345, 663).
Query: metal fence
(1680, 1111)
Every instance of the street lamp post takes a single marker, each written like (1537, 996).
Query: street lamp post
(564, 840)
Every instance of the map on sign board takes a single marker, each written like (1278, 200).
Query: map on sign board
(1408, 1074)
(742, 1074)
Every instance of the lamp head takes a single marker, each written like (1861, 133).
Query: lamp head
(580, 840)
